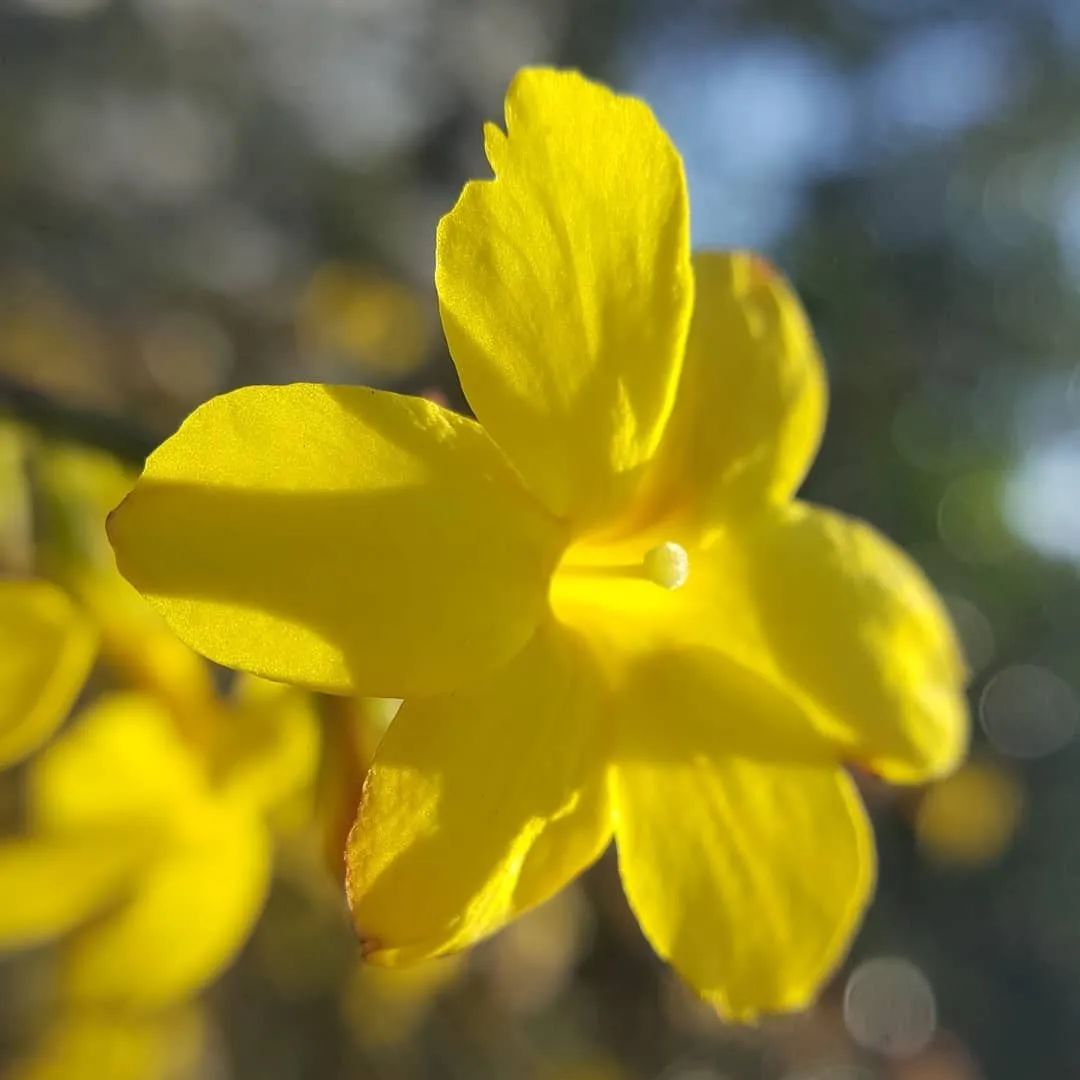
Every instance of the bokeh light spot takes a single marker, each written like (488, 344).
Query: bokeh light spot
(1034, 502)
(889, 1007)
(363, 317)
(970, 818)
(1028, 712)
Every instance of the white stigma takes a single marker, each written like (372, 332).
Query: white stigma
(667, 565)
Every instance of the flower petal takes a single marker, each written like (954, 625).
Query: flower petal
(46, 649)
(852, 627)
(751, 406)
(342, 538)
(191, 912)
(479, 805)
(565, 289)
(748, 877)
(52, 884)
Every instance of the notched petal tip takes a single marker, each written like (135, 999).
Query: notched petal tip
(535, 76)
(565, 289)
(495, 148)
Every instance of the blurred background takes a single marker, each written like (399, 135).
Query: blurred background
(197, 195)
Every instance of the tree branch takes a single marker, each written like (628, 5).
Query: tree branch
(119, 436)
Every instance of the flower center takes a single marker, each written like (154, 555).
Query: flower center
(667, 565)
(606, 589)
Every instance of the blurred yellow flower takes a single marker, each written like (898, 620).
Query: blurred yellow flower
(80, 1044)
(604, 610)
(149, 859)
(147, 842)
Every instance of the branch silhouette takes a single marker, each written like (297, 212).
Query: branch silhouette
(116, 434)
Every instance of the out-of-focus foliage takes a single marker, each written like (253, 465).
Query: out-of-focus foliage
(176, 178)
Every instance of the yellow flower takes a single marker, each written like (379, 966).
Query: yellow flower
(146, 860)
(602, 607)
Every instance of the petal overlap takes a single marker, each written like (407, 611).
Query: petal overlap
(751, 405)
(805, 632)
